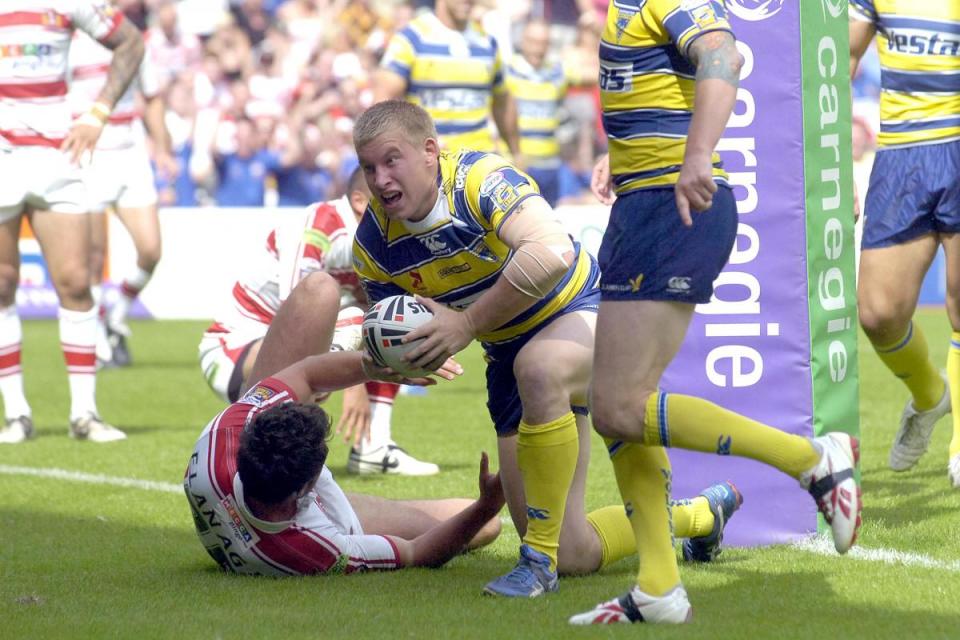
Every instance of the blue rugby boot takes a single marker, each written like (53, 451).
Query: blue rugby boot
(530, 578)
(724, 500)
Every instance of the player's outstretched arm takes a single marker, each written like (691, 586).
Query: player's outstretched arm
(449, 538)
(718, 73)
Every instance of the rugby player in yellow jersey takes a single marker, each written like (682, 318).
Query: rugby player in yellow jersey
(913, 205)
(470, 235)
(539, 88)
(445, 63)
(668, 81)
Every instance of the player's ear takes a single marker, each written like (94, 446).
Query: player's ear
(432, 148)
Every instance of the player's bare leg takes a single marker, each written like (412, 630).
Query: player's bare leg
(143, 225)
(98, 258)
(951, 247)
(65, 242)
(411, 518)
(542, 462)
(302, 327)
(887, 291)
(18, 424)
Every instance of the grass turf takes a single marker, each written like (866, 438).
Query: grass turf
(86, 560)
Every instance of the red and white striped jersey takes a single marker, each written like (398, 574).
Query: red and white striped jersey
(319, 240)
(35, 37)
(89, 64)
(324, 536)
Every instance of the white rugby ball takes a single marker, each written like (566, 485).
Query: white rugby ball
(386, 323)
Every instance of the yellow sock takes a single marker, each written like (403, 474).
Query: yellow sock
(547, 457)
(692, 518)
(909, 359)
(615, 533)
(953, 376)
(675, 420)
(644, 477)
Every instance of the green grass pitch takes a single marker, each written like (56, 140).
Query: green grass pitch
(82, 560)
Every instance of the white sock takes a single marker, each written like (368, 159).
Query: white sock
(11, 375)
(129, 290)
(380, 413)
(78, 336)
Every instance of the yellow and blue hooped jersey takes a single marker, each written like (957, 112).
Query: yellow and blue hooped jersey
(919, 47)
(539, 94)
(452, 75)
(454, 254)
(647, 85)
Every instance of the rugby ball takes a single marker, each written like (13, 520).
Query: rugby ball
(385, 324)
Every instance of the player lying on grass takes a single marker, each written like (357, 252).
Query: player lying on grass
(471, 232)
(264, 503)
(318, 240)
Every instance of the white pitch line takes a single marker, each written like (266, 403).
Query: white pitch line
(91, 478)
(823, 545)
(820, 545)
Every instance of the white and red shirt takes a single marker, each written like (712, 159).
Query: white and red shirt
(319, 240)
(325, 536)
(89, 64)
(35, 37)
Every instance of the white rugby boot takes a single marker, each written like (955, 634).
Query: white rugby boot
(92, 428)
(16, 430)
(953, 471)
(637, 606)
(833, 484)
(389, 459)
(916, 427)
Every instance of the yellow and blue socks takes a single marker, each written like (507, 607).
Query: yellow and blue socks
(686, 422)
(547, 457)
(908, 358)
(644, 477)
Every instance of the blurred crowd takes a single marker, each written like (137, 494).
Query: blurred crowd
(261, 95)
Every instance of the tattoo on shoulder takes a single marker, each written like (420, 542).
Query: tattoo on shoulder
(715, 55)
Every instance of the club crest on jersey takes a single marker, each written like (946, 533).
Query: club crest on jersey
(490, 182)
(505, 196)
(433, 243)
(623, 21)
(259, 395)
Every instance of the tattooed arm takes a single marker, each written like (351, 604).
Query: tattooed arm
(127, 46)
(718, 73)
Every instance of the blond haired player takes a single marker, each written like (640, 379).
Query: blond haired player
(469, 233)
(320, 240)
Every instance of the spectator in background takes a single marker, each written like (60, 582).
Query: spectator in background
(241, 164)
(173, 52)
(539, 88)
(446, 64)
(253, 18)
(181, 111)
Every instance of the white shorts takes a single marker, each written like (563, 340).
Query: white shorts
(122, 178)
(39, 178)
(220, 353)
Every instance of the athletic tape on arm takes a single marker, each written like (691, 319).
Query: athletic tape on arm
(542, 252)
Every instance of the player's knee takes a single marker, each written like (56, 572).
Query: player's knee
(618, 417)
(541, 384)
(318, 287)
(9, 277)
(882, 321)
(73, 286)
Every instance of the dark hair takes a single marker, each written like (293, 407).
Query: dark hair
(281, 450)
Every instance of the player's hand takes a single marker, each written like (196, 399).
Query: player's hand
(491, 490)
(445, 335)
(695, 187)
(601, 182)
(167, 166)
(354, 422)
(448, 370)
(81, 140)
